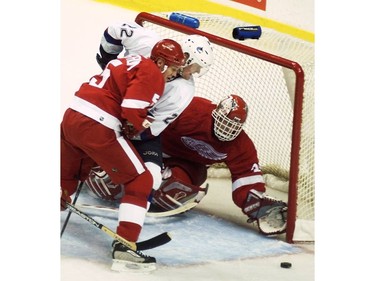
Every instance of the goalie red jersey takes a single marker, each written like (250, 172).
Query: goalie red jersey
(192, 137)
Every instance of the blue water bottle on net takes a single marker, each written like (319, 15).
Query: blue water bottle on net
(184, 19)
(247, 32)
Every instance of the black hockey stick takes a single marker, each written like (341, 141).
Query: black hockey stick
(153, 242)
(70, 212)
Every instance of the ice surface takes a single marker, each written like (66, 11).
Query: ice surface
(197, 238)
(201, 243)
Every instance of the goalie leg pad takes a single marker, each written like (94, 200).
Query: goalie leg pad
(193, 173)
(174, 193)
(101, 186)
(155, 171)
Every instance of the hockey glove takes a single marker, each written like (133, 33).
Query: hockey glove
(104, 58)
(131, 133)
(128, 130)
(64, 197)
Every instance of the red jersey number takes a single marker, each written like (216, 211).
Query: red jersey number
(99, 80)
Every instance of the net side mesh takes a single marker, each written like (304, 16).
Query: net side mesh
(268, 90)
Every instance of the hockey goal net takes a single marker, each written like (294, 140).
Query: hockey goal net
(275, 75)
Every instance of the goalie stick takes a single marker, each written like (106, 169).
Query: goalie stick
(153, 242)
(179, 210)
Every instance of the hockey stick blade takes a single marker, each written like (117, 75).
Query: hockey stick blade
(182, 209)
(153, 242)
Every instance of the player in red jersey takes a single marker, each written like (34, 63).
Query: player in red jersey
(131, 38)
(113, 104)
(205, 134)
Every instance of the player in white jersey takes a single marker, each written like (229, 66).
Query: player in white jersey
(179, 92)
(130, 37)
(127, 37)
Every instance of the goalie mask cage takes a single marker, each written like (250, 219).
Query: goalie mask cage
(275, 76)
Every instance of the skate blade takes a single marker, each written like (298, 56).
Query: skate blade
(128, 266)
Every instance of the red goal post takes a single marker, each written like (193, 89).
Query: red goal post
(280, 116)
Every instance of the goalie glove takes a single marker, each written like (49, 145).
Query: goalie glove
(274, 223)
(269, 213)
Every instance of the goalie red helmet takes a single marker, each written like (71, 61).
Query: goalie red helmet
(100, 185)
(229, 117)
(170, 51)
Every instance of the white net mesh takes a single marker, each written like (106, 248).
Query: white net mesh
(268, 90)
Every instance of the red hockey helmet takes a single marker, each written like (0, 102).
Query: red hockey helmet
(229, 117)
(170, 51)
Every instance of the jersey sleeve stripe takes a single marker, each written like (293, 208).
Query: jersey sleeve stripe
(247, 181)
(137, 104)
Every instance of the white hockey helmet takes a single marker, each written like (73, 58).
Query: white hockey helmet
(199, 50)
(229, 117)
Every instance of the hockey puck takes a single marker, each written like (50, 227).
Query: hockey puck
(285, 265)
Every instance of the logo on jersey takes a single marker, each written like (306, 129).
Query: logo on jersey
(150, 153)
(255, 168)
(203, 149)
